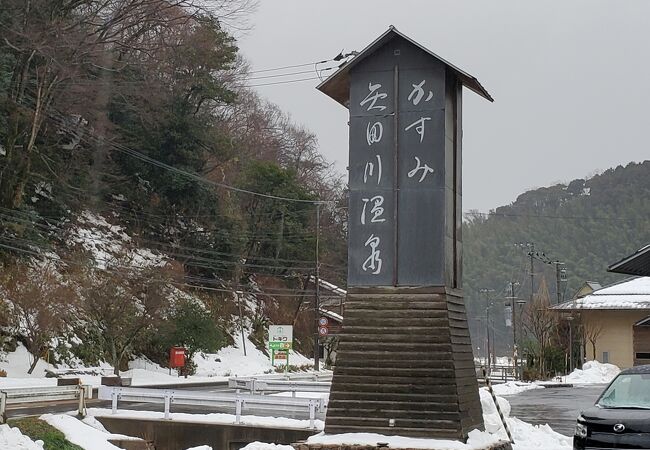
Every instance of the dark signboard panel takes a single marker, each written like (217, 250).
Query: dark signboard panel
(371, 221)
(399, 167)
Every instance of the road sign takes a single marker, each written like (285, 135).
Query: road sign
(323, 322)
(323, 331)
(280, 337)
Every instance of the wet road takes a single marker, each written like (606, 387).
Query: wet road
(558, 407)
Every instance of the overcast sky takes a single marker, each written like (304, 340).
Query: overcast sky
(570, 80)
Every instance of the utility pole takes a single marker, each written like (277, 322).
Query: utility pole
(531, 253)
(241, 321)
(560, 276)
(513, 305)
(570, 320)
(486, 292)
(317, 292)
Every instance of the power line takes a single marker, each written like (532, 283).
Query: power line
(292, 73)
(233, 291)
(241, 83)
(193, 260)
(282, 82)
(194, 176)
(294, 66)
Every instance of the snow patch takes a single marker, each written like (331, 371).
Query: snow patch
(525, 435)
(230, 361)
(593, 372)
(476, 440)
(17, 363)
(221, 418)
(12, 438)
(263, 446)
(107, 243)
(83, 434)
(514, 387)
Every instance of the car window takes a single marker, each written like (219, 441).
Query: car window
(627, 391)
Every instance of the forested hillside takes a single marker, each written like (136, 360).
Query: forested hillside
(137, 164)
(587, 224)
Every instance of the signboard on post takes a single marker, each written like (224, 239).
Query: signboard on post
(280, 337)
(280, 343)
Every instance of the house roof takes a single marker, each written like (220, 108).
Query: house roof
(637, 263)
(643, 322)
(334, 289)
(587, 288)
(594, 285)
(337, 85)
(633, 293)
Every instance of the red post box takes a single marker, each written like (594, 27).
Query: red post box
(176, 357)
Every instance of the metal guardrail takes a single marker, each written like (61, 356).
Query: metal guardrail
(293, 376)
(255, 385)
(239, 402)
(501, 372)
(43, 394)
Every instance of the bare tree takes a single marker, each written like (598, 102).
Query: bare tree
(121, 305)
(39, 302)
(592, 331)
(541, 323)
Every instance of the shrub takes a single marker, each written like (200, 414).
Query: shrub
(37, 429)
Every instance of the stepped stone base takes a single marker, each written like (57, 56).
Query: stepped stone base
(502, 445)
(404, 366)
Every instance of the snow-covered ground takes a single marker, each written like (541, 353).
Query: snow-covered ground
(525, 435)
(216, 418)
(229, 361)
(91, 435)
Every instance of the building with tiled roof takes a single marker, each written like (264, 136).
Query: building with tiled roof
(616, 322)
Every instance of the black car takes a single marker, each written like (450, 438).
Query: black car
(621, 416)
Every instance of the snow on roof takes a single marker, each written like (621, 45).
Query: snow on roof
(329, 286)
(332, 315)
(632, 293)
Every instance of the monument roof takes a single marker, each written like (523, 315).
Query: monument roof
(337, 85)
